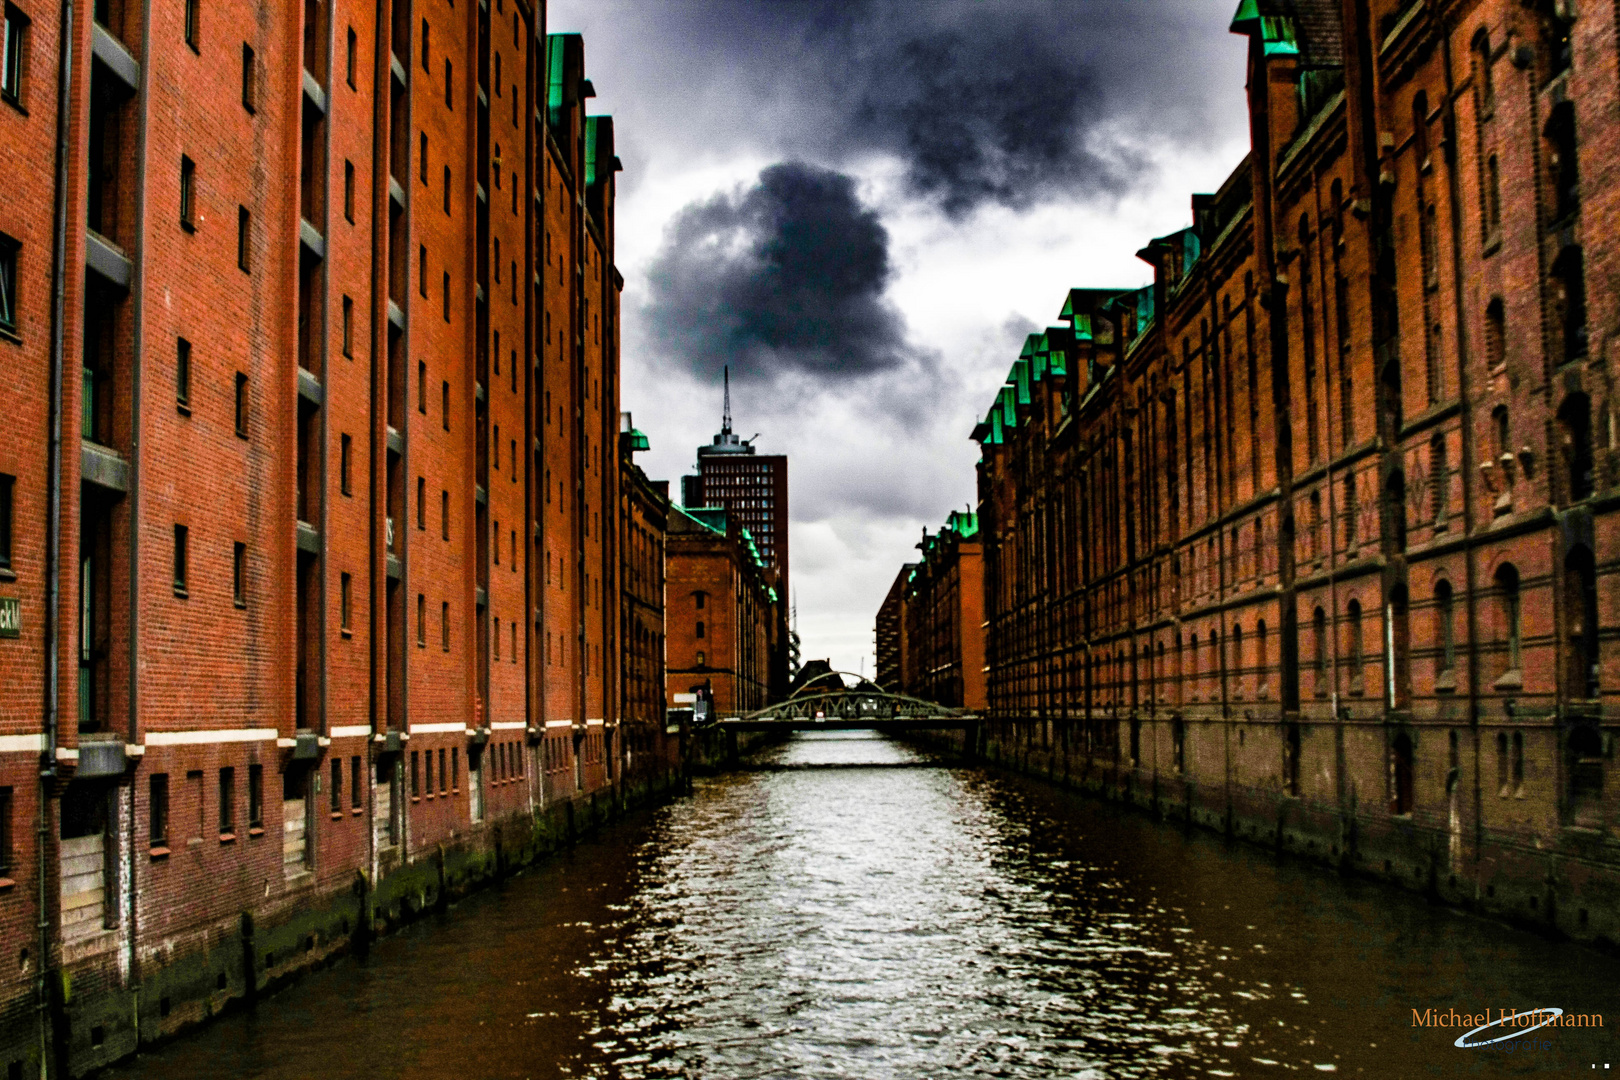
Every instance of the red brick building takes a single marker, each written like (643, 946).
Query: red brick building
(307, 487)
(1313, 538)
(942, 618)
(722, 613)
(651, 752)
(890, 631)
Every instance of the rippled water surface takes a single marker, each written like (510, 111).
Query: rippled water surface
(853, 911)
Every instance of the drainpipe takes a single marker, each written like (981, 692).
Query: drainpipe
(1465, 399)
(53, 526)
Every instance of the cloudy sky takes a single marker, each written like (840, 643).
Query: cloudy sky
(863, 206)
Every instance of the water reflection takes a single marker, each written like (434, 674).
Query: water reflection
(907, 921)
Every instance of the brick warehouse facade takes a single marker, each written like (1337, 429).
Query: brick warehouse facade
(940, 619)
(1314, 539)
(723, 613)
(309, 564)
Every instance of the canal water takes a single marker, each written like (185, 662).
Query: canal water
(851, 910)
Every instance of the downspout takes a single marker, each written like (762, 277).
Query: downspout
(1465, 398)
(53, 529)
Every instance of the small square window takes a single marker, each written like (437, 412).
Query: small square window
(182, 374)
(188, 193)
(239, 574)
(180, 533)
(249, 78)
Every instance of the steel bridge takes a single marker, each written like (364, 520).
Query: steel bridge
(865, 708)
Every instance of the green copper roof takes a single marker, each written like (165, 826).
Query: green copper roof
(998, 434)
(1042, 349)
(638, 441)
(1248, 13)
(1279, 36)
(593, 129)
(1057, 359)
(555, 52)
(1018, 377)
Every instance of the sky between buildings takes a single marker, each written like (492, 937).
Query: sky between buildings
(863, 206)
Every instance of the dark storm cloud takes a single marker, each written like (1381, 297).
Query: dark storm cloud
(1004, 102)
(781, 278)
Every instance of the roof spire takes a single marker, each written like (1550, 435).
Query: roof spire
(725, 421)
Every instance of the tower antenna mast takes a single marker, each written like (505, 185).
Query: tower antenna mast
(725, 422)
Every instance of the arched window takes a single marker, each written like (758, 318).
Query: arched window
(1581, 624)
(1487, 81)
(1495, 335)
(1357, 657)
(1445, 631)
(1319, 633)
(1237, 659)
(1569, 301)
(1398, 664)
(1575, 438)
(1507, 593)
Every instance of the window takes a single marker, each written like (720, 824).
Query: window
(349, 64)
(241, 405)
(247, 77)
(455, 768)
(701, 660)
(700, 629)
(180, 560)
(1518, 764)
(345, 589)
(1507, 591)
(244, 233)
(11, 68)
(157, 810)
(6, 485)
(194, 24)
(449, 100)
(421, 387)
(1446, 629)
(422, 159)
(496, 535)
(348, 327)
(416, 774)
(1495, 335)
(335, 792)
(348, 193)
(446, 296)
(8, 284)
(444, 626)
(1502, 788)
(345, 457)
(444, 393)
(700, 600)
(425, 45)
(421, 620)
(447, 189)
(1487, 81)
(188, 193)
(444, 514)
(355, 785)
(1357, 659)
(227, 803)
(495, 447)
(182, 372)
(421, 270)
(239, 574)
(255, 799)
(497, 75)
(421, 502)
(1493, 198)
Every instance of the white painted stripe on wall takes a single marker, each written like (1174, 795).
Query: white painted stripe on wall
(559, 723)
(508, 725)
(594, 723)
(350, 731)
(437, 729)
(16, 744)
(196, 738)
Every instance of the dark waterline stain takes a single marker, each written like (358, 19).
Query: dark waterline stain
(839, 914)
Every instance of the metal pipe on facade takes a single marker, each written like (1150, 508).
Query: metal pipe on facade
(53, 522)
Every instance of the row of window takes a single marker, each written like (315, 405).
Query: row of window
(158, 816)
